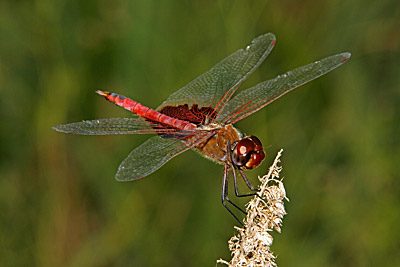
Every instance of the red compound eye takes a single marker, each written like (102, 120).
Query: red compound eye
(255, 159)
(248, 153)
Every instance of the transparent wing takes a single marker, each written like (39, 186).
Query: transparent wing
(257, 97)
(154, 153)
(216, 86)
(115, 126)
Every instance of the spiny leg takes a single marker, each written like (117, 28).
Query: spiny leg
(227, 195)
(224, 195)
(247, 183)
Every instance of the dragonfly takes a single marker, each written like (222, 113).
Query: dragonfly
(200, 116)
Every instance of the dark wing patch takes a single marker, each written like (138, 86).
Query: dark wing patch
(194, 115)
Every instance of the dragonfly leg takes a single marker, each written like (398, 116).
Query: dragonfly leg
(225, 197)
(247, 183)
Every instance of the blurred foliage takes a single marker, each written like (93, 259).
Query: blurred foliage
(59, 202)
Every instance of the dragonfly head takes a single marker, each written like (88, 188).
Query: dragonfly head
(248, 153)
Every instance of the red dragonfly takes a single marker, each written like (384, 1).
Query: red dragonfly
(201, 115)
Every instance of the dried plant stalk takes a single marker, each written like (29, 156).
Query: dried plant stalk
(251, 246)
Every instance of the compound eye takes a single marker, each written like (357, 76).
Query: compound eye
(245, 146)
(248, 153)
(256, 142)
(255, 159)
(241, 152)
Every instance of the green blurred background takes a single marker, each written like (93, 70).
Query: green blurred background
(59, 202)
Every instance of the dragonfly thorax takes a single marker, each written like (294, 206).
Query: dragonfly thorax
(216, 147)
(229, 146)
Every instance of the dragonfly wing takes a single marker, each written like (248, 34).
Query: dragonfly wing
(114, 126)
(216, 86)
(257, 97)
(154, 153)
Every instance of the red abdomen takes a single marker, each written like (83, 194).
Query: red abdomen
(146, 112)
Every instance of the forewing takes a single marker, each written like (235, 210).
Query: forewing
(216, 86)
(257, 97)
(113, 126)
(154, 153)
